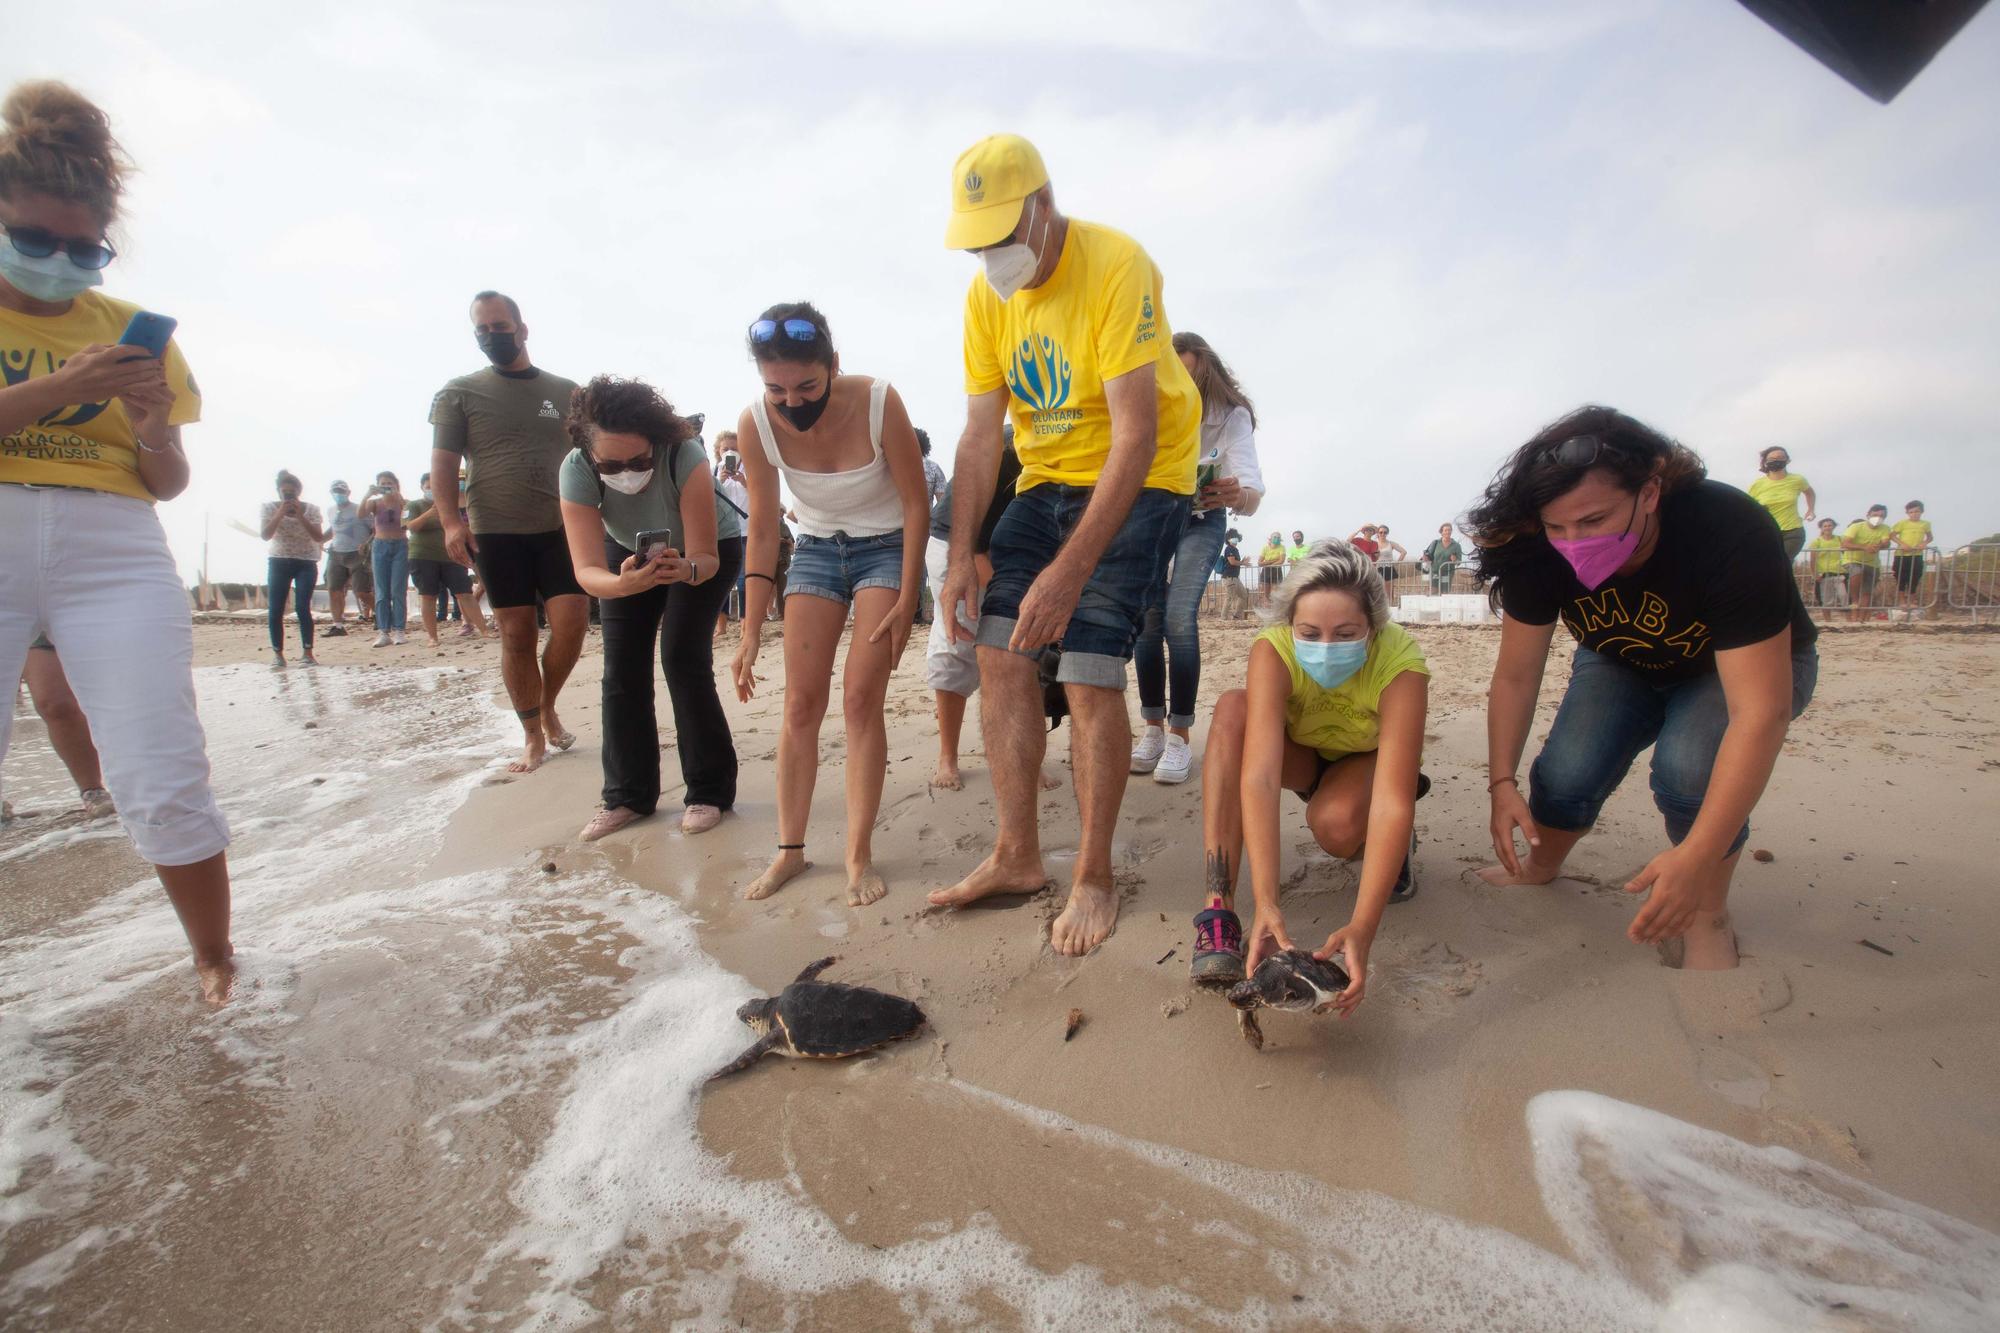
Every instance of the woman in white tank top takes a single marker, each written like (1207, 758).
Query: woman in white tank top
(844, 447)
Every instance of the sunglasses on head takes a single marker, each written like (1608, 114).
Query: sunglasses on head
(1579, 451)
(798, 330)
(40, 243)
(611, 467)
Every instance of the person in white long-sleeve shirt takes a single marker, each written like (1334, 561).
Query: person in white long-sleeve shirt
(1229, 479)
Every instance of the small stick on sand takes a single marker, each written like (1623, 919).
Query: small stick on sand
(1871, 944)
(1074, 1022)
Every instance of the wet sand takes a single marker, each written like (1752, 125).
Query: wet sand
(461, 1087)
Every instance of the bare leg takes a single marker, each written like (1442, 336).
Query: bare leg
(1542, 863)
(429, 606)
(812, 633)
(1010, 714)
(569, 616)
(200, 895)
(863, 688)
(951, 725)
(468, 606)
(1100, 751)
(523, 678)
(336, 605)
(69, 733)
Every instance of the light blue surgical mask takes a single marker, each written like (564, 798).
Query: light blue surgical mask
(1330, 664)
(50, 278)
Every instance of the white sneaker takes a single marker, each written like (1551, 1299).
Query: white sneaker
(398, 639)
(1175, 761)
(1146, 754)
(381, 639)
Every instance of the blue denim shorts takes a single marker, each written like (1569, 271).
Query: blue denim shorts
(1130, 576)
(839, 566)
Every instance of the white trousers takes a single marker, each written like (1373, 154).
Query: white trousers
(93, 572)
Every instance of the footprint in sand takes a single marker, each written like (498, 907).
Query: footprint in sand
(1427, 976)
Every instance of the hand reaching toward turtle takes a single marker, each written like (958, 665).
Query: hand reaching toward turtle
(1352, 941)
(1267, 936)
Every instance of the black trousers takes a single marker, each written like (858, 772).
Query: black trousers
(680, 618)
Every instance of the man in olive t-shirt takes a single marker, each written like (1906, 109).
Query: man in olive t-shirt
(508, 420)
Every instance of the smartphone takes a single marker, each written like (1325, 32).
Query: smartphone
(1206, 474)
(653, 544)
(149, 331)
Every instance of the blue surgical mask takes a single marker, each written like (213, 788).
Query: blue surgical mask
(1330, 664)
(50, 278)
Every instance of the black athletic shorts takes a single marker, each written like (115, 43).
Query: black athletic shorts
(434, 578)
(516, 567)
(1909, 572)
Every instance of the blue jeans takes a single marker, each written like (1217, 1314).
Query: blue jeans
(1129, 576)
(296, 577)
(392, 582)
(1171, 630)
(1610, 713)
(839, 566)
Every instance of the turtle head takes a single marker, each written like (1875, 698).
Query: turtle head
(756, 1014)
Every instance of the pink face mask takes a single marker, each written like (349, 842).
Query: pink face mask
(1596, 559)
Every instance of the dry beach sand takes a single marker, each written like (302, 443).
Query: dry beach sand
(1401, 1169)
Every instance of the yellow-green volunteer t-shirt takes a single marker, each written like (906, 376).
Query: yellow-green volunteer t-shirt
(1099, 316)
(1859, 531)
(1348, 718)
(90, 445)
(1828, 557)
(1912, 535)
(1780, 495)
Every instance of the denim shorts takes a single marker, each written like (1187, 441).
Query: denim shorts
(1128, 577)
(839, 566)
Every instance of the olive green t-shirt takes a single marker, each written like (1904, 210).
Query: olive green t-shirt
(426, 543)
(511, 428)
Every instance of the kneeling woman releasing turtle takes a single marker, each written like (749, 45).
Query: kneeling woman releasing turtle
(1333, 709)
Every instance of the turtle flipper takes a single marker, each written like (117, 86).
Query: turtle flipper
(813, 970)
(758, 1050)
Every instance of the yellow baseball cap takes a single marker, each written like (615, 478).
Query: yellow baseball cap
(988, 183)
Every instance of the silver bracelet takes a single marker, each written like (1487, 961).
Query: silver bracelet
(166, 448)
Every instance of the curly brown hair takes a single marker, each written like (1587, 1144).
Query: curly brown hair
(55, 141)
(624, 407)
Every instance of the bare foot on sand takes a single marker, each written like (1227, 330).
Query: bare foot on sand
(866, 887)
(1709, 945)
(216, 980)
(947, 775)
(782, 872)
(553, 729)
(1088, 920)
(1050, 781)
(532, 755)
(1500, 878)
(989, 878)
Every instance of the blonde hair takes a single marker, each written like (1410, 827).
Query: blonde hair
(55, 141)
(1333, 566)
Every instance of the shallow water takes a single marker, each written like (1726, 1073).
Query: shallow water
(471, 1102)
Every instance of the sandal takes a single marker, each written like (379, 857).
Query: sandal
(608, 820)
(1218, 948)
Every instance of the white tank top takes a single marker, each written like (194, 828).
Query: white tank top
(861, 503)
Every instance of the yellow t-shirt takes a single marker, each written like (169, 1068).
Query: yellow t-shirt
(1911, 533)
(1876, 538)
(1347, 719)
(1780, 495)
(1098, 316)
(1271, 555)
(1829, 558)
(91, 445)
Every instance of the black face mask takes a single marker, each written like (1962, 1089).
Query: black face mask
(805, 415)
(1777, 465)
(502, 349)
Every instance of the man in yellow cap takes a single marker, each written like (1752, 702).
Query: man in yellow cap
(1066, 329)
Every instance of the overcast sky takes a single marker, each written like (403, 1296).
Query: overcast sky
(1417, 228)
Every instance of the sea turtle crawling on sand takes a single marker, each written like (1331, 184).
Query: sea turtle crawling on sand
(823, 1020)
(1289, 979)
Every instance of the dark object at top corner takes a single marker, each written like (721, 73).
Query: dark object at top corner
(1879, 46)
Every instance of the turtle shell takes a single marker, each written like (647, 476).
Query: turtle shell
(826, 1018)
(1290, 979)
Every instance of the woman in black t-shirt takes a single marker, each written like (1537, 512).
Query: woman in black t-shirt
(1691, 638)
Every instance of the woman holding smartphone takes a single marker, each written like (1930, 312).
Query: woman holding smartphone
(1691, 640)
(292, 529)
(1229, 480)
(638, 479)
(845, 448)
(382, 508)
(83, 558)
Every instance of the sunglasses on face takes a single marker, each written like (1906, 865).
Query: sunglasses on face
(40, 243)
(611, 467)
(798, 330)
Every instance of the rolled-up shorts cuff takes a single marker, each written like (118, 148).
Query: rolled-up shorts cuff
(808, 590)
(1097, 669)
(892, 583)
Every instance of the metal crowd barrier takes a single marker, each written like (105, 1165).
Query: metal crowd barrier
(1891, 594)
